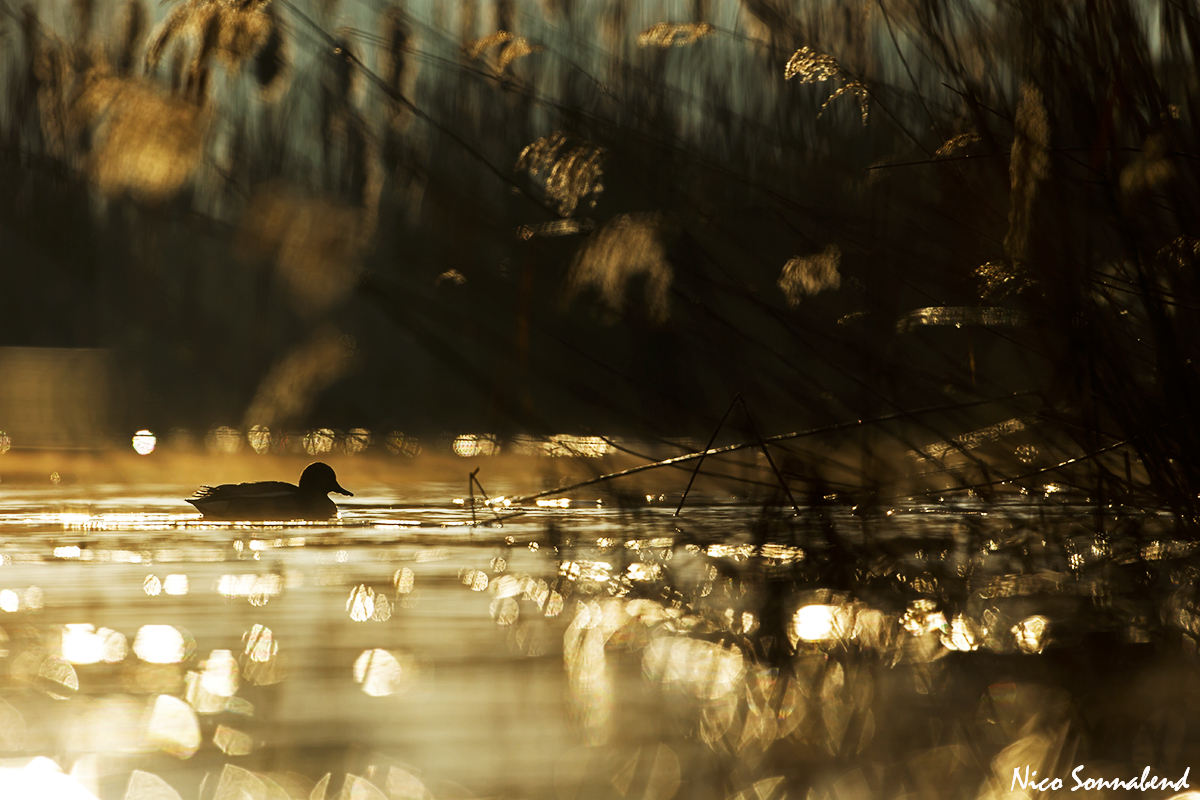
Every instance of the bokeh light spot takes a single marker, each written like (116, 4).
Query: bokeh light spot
(220, 675)
(818, 623)
(261, 644)
(361, 603)
(81, 644)
(159, 644)
(223, 440)
(357, 441)
(260, 439)
(173, 727)
(471, 445)
(382, 673)
(10, 601)
(318, 442)
(33, 599)
(404, 580)
(402, 444)
(148, 786)
(57, 678)
(144, 442)
(232, 742)
(505, 610)
(176, 585)
(1030, 634)
(383, 609)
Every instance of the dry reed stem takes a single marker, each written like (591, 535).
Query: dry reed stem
(466, 23)
(132, 32)
(397, 38)
(271, 63)
(341, 78)
(613, 26)
(856, 88)
(54, 74)
(1029, 163)
(84, 16)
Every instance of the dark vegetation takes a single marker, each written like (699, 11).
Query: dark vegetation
(565, 218)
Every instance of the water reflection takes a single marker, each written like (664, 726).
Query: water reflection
(160, 644)
(83, 644)
(605, 654)
(173, 727)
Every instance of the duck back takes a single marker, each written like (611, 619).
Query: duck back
(266, 500)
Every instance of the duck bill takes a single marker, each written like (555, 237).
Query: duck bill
(338, 488)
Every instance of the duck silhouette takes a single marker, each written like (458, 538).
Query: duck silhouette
(274, 500)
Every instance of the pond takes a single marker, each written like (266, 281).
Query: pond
(595, 646)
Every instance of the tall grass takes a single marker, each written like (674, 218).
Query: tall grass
(618, 216)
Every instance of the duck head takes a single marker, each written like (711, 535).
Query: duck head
(319, 478)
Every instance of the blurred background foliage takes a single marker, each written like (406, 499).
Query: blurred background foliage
(614, 217)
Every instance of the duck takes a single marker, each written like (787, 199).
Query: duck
(274, 500)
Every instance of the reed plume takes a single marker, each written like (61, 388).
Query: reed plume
(1150, 170)
(315, 243)
(233, 32)
(517, 48)
(291, 386)
(956, 143)
(1000, 279)
(146, 144)
(571, 169)
(808, 275)
(478, 47)
(626, 247)
(514, 47)
(665, 34)
(812, 66)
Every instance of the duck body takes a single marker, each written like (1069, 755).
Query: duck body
(273, 500)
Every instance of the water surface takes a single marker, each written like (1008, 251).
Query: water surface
(599, 648)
